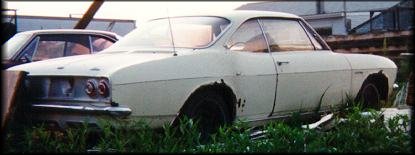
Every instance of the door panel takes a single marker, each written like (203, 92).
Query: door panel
(255, 73)
(255, 78)
(309, 75)
(305, 75)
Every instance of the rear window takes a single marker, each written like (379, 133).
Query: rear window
(187, 32)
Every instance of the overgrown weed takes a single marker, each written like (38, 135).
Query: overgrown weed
(366, 132)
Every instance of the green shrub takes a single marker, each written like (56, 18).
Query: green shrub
(358, 133)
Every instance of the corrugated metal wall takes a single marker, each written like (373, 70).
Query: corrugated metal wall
(26, 23)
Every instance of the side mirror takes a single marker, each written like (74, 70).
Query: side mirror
(239, 46)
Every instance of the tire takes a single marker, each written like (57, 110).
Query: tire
(370, 96)
(209, 110)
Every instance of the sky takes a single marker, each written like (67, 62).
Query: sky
(140, 11)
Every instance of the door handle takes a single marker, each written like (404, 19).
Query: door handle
(282, 62)
(358, 72)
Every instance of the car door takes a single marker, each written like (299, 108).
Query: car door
(307, 74)
(255, 74)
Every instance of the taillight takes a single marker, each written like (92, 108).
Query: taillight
(103, 88)
(90, 88)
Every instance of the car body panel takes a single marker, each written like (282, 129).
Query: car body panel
(362, 68)
(309, 76)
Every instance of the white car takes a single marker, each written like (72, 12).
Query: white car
(253, 66)
(36, 45)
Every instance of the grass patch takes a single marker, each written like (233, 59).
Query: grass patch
(359, 133)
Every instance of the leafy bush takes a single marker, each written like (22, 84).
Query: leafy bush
(358, 133)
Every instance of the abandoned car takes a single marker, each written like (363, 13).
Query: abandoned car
(36, 45)
(253, 66)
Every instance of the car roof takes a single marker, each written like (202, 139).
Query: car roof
(239, 14)
(254, 14)
(72, 31)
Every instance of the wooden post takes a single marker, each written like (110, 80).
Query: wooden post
(12, 81)
(87, 17)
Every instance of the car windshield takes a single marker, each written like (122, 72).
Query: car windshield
(187, 32)
(14, 44)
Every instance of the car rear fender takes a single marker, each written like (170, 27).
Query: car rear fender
(219, 86)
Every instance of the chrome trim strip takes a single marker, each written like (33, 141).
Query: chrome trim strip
(115, 111)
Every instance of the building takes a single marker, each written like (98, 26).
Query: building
(399, 17)
(327, 17)
(26, 23)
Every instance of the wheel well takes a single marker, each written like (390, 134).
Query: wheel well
(381, 82)
(221, 89)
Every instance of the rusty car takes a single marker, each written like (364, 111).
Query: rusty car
(253, 66)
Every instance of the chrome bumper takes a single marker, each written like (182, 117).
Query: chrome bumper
(113, 111)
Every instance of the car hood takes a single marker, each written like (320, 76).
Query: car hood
(102, 64)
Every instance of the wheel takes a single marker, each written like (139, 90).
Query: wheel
(209, 110)
(370, 96)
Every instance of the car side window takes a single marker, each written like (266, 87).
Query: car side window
(100, 43)
(286, 35)
(312, 37)
(248, 37)
(30, 49)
